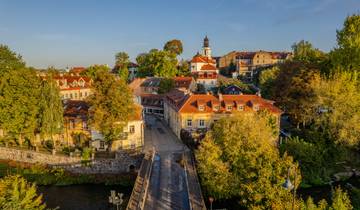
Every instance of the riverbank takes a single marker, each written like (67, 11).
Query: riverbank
(43, 175)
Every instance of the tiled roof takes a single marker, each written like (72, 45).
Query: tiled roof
(183, 82)
(67, 81)
(190, 103)
(202, 59)
(75, 108)
(208, 67)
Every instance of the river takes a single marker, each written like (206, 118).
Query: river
(82, 197)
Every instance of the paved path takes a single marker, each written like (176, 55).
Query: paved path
(167, 189)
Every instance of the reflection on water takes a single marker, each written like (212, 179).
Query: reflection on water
(81, 197)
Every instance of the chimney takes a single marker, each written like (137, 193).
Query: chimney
(258, 93)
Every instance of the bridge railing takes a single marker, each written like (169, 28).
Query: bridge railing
(139, 193)
(196, 200)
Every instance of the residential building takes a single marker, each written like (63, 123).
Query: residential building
(192, 112)
(74, 87)
(203, 67)
(232, 90)
(145, 91)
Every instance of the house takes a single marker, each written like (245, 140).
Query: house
(74, 87)
(203, 67)
(192, 112)
(145, 91)
(75, 122)
(131, 138)
(232, 90)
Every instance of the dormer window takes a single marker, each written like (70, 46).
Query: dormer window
(216, 108)
(241, 107)
(201, 107)
(228, 108)
(256, 107)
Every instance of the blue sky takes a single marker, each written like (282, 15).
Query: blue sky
(65, 33)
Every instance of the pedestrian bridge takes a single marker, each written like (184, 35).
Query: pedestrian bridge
(167, 180)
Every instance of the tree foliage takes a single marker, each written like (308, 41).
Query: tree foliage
(166, 84)
(238, 159)
(267, 79)
(305, 52)
(9, 60)
(339, 97)
(121, 65)
(111, 104)
(92, 70)
(183, 68)
(50, 108)
(17, 194)
(174, 46)
(19, 102)
(347, 52)
(157, 63)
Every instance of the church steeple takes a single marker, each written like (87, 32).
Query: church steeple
(206, 42)
(206, 48)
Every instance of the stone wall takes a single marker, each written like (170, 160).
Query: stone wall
(122, 163)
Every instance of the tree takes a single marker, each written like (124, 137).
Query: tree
(183, 68)
(166, 84)
(340, 200)
(238, 159)
(51, 108)
(294, 91)
(16, 193)
(91, 70)
(339, 100)
(19, 102)
(174, 46)
(305, 52)
(9, 60)
(267, 79)
(111, 104)
(347, 53)
(121, 65)
(157, 63)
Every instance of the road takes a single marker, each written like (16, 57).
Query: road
(167, 189)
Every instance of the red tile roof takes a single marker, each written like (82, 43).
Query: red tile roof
(202, 59)
(208, 67)
(189, 104)
(183, 82)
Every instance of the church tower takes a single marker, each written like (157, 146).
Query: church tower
(206, 48)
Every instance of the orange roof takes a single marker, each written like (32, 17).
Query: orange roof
(202, 59)
(208, 67)
(189, 105)
(183, 82)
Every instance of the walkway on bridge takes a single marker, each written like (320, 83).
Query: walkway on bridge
(167, 179)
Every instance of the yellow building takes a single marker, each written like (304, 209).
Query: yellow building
(193, 112)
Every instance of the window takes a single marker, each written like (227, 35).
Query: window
(80, 94)
(228, 108)
(84, 125)
(75, 95)
(201, 107)
(256, 107)
(71, 96)
(132, 129)
(72, 124)
(102, 145)
(201, 123)
(241, 107)
(66, 95)
(85, 94)
(216, 108)
(189, 123)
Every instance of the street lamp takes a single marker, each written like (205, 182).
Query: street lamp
(211, 199)
(289, 186)
(116, 200)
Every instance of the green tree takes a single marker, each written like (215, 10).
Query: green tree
(17, 194)
(267, 79)
(183, 68)
(19, 102)
(91, 70)
(347, 53)
(238, 159)
(310, 205)
(51, 108)
(157, 63)
(339, 97)
(111, 104)
(175, 46)
(121, 65)
(9, 60)
(305, 52)
(166, 84)
(340, 200)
